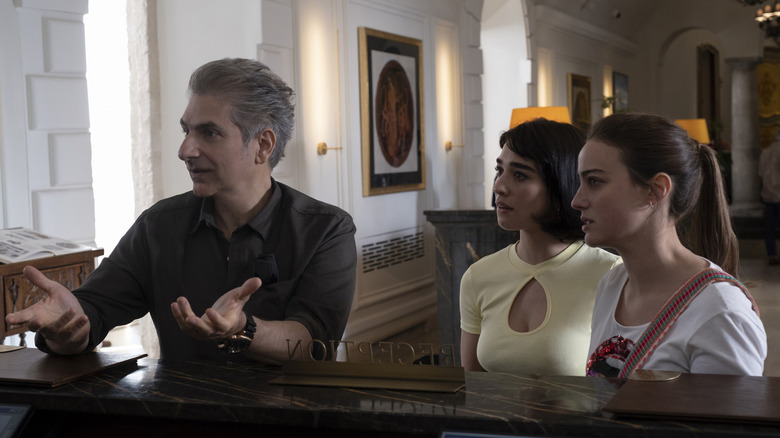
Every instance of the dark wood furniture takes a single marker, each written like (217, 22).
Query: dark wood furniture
(69, 270)
(462, 237)
(165, 398)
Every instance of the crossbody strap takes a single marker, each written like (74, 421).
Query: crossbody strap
(672, 310)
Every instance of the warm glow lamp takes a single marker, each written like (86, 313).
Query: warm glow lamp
(556, 113)
(697, 129)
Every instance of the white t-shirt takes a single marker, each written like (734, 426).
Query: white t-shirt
(719, 333)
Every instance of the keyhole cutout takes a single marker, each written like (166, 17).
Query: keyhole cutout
(529, 308)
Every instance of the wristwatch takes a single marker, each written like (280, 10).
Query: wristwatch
(241, 340)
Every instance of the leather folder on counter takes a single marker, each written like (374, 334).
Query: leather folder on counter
(31, 366)
(704, 397)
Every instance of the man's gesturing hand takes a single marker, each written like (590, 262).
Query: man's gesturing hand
(223, 319)
(58, 316)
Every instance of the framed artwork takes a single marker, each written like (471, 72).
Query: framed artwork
(579, 101)
(619, 92)
(391, 117)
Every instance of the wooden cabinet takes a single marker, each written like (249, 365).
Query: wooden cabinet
(462, 237)
(70, 270)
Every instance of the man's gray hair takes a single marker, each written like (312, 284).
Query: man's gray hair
(260, 99)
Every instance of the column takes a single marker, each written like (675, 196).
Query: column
(746, 199)
(472, 193)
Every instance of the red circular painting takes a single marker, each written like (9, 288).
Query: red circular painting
(394, 113)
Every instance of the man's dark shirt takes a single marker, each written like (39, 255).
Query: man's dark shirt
(175, 249)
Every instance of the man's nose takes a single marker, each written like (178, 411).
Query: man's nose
(187, 149)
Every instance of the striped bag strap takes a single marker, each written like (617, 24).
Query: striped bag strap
(671, 311)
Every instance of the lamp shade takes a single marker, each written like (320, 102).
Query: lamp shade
(555, 113)
(697, 129)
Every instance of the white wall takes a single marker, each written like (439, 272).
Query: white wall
(108, 80)
(191, 33)
(678, 73)
(507, 74)
(45, 142)
(563, 45)
(15, 205)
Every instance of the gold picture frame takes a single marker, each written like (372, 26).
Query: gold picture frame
(391, 112)
(580, 101)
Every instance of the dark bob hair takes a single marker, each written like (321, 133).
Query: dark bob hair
(554, 148)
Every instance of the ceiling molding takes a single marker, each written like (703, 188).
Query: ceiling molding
(558, 21)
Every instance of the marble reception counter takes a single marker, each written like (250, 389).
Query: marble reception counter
(161, 398)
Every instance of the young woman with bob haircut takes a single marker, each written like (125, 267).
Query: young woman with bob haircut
(526, 309)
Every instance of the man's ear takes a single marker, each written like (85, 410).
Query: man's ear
(660, 187)
(266, 139)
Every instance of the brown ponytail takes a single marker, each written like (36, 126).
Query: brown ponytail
(709, 231)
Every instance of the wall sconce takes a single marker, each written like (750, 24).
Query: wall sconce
(555, 113)
(448, 146)
(697, 129)
(322, 148)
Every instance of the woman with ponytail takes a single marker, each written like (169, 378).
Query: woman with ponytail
(656, 196)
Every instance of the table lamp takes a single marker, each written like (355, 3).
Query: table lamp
(697, 129)
(556, 113)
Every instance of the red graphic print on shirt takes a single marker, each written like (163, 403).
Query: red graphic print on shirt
(609, 357)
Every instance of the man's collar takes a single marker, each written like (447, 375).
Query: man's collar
(206, 215)
(263, 222)
(260, 223)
